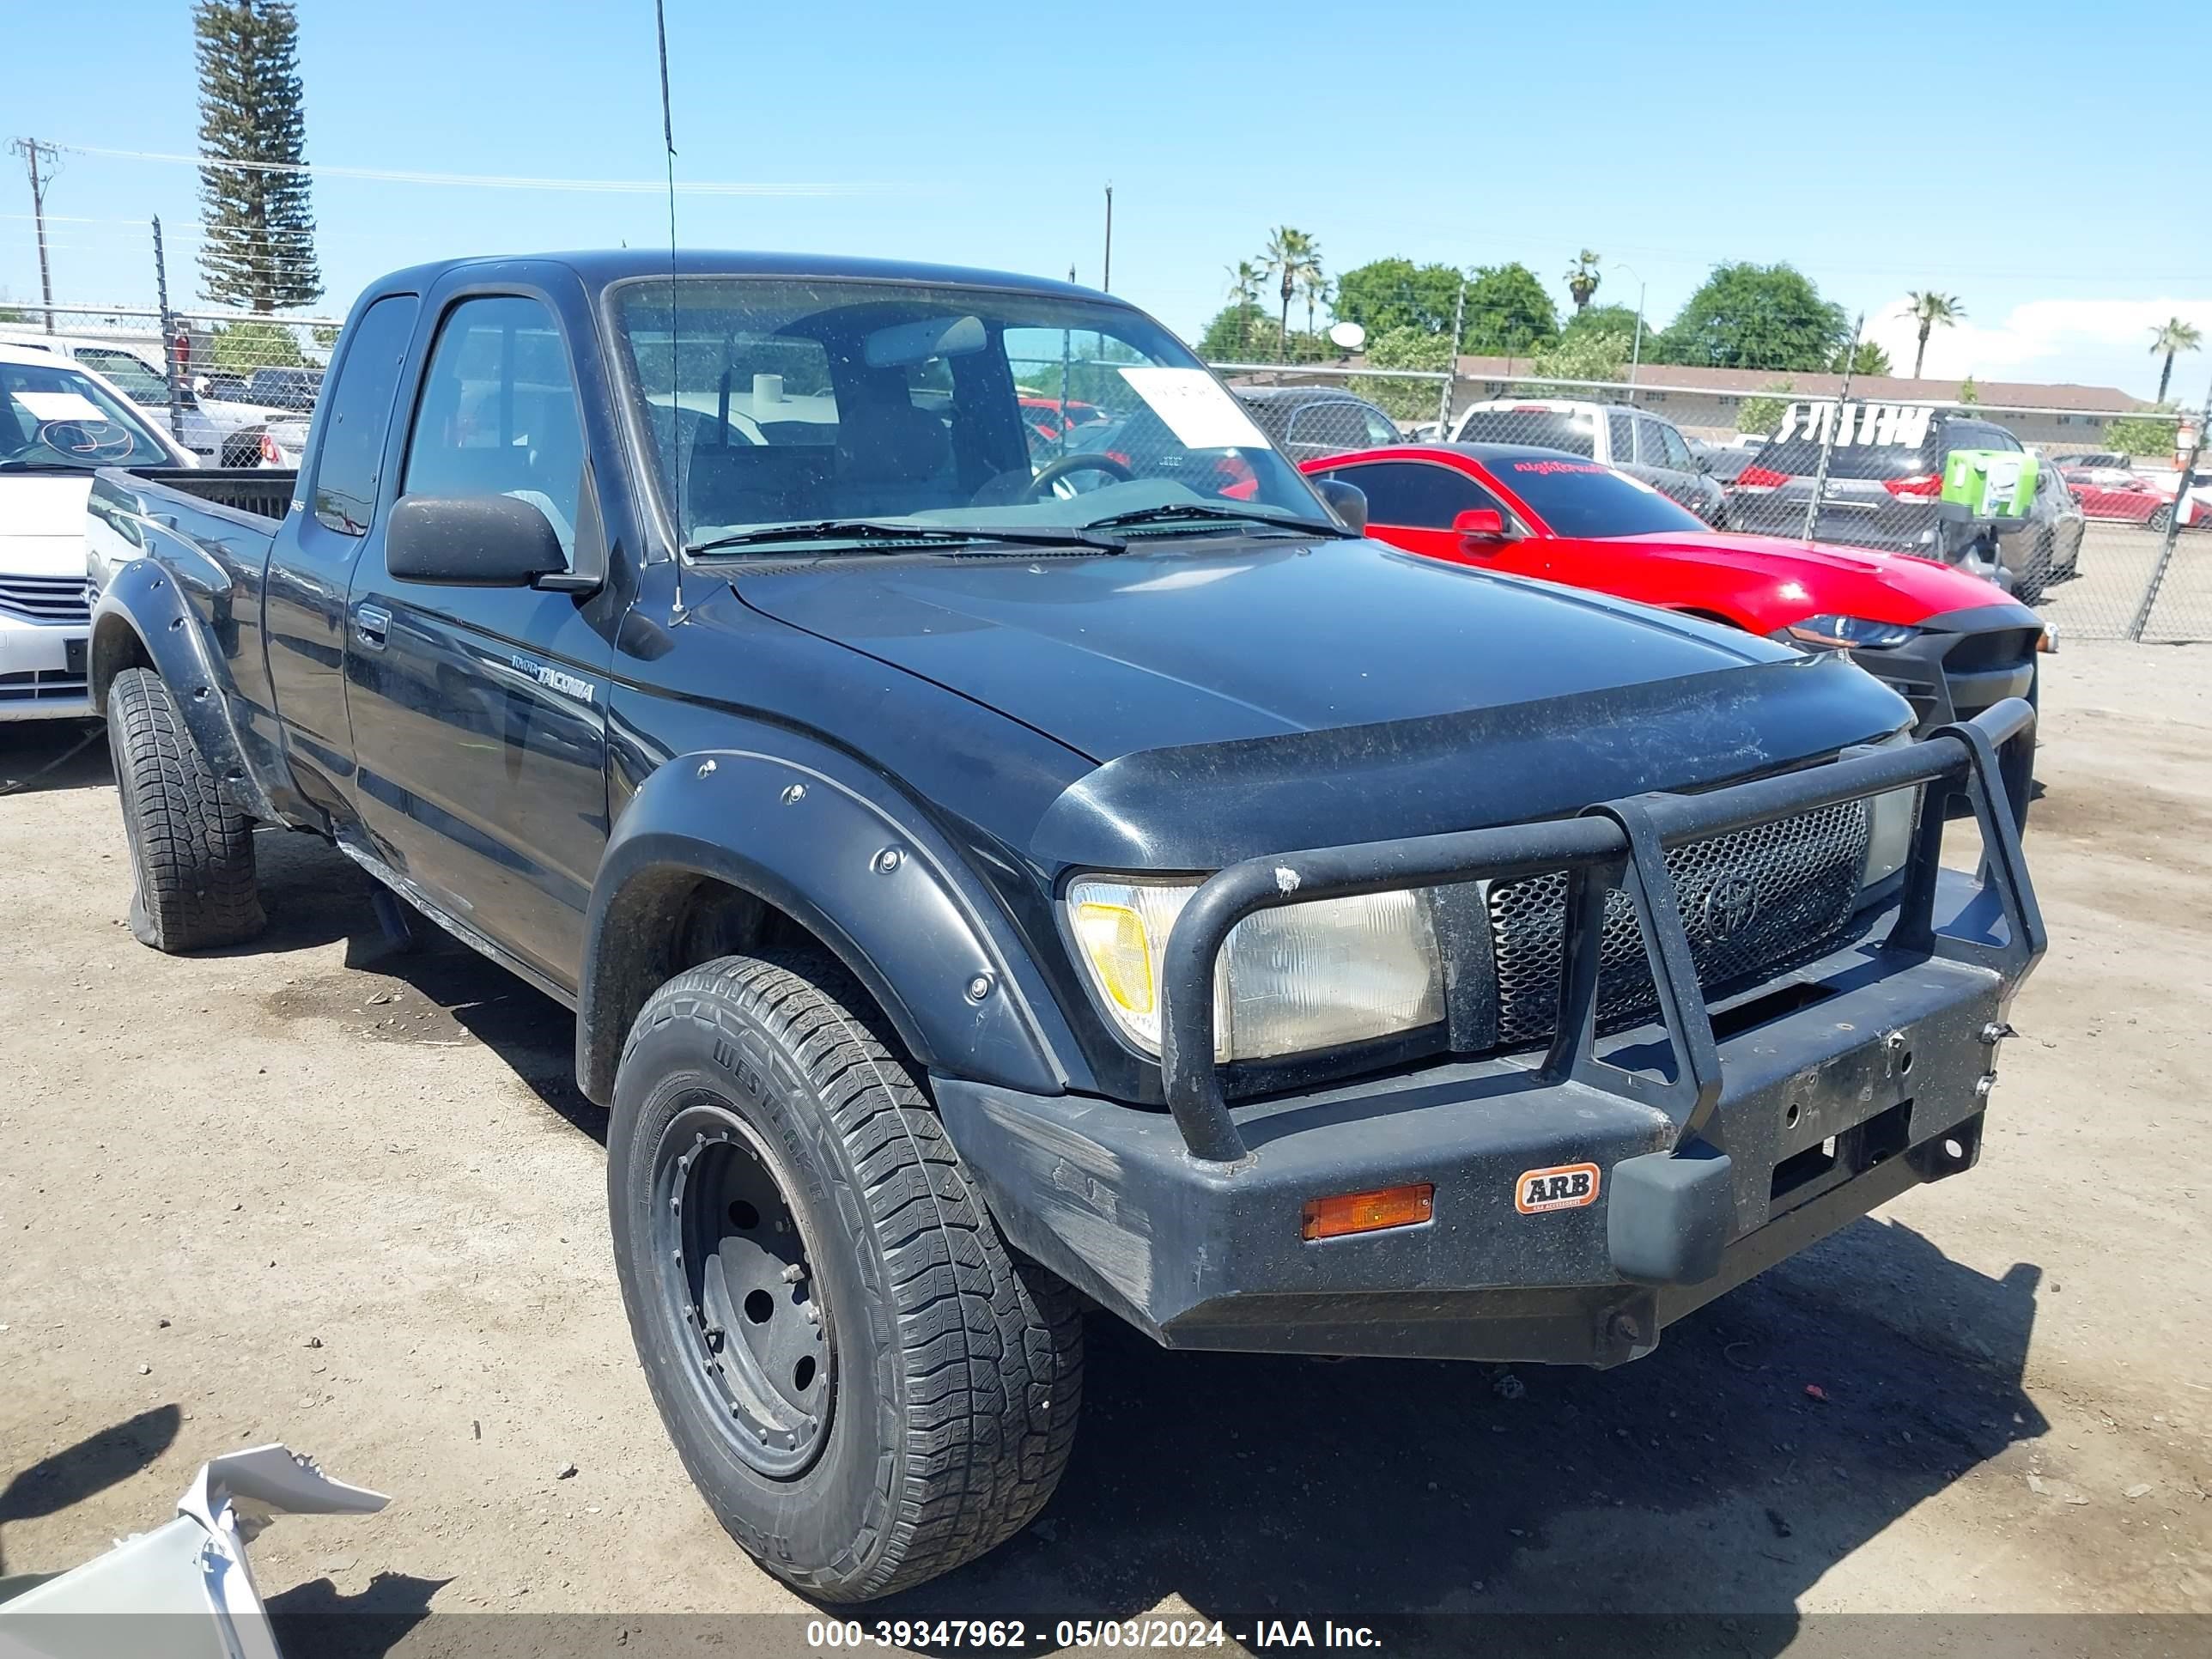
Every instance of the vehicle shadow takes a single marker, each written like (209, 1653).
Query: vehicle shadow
(316, 1617)
(314, 896)
(1709, 1479)
(95, 1463)
(38, 757)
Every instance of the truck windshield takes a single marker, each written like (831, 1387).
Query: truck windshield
(53, 416)
(773, 401)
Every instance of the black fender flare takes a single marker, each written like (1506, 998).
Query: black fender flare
(144, 615)
(857, 865)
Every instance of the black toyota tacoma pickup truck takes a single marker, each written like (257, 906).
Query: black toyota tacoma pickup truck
(1002, 873)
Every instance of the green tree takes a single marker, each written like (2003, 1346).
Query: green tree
(1508, 312)
(1406, 347)
(1582, 280)
(1602, 320)
(1930, 310)
(2170, 337)
(2143, 434)
(259, 246)
(1289, 255)
(1228, 338)
(1764, 414)
(1385, 295)
(1865, 358)
(1968, 391)
(242, 347)
(1584, 354)
(1752, 316)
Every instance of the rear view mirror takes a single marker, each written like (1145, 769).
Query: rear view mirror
(1347, 501)
(905, 344)
(1479, 526)
(471, 541)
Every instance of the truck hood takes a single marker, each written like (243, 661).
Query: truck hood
(1202, 643)
(42, 523)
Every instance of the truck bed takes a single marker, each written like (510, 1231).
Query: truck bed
(252, 492)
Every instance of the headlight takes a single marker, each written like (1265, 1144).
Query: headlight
(1289, 981)
(1848, 632)
(1891, 820)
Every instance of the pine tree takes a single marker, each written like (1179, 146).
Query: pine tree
(260, 247)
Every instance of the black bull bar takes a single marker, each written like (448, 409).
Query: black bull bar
(1619, 844)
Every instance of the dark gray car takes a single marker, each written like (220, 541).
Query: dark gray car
(1309, 421)
(1883, 485)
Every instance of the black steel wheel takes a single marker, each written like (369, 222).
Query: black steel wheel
(865, 1384)
(736, 1290)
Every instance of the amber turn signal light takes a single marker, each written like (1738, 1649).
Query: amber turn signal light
(1369, 1213)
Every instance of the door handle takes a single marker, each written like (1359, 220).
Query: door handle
(372, 623)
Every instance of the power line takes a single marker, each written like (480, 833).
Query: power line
(486, 181)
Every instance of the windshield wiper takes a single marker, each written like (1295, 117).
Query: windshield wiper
(893, 529)
(1171, 512)
(42, 466)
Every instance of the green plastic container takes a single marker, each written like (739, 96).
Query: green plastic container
(1993, 484)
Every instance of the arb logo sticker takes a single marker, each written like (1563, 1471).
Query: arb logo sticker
(1562, 1186)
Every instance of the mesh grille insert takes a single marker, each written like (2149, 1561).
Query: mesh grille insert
(1801, 876)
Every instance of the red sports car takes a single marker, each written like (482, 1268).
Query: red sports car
(1952, 643)
(2138, 501)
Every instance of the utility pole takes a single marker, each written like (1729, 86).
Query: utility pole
(1106, 276)
(32, 150)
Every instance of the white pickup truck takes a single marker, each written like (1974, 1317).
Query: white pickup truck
(58, 423)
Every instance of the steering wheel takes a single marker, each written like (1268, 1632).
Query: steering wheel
(1067, 465)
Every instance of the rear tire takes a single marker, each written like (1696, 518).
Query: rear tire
(2036, 575)
(867, 1389)
(191, 851)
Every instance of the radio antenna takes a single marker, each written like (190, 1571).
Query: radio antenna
(675, 423)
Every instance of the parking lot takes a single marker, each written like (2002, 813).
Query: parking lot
(295, 1191)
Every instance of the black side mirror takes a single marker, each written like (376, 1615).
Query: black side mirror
(471, 541)
(1347, 501)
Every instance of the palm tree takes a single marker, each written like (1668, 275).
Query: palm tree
(1287, 257)
(2170, 337)
(1582, 279)
(1244, 293)
(1313, 283)
(1931, 310)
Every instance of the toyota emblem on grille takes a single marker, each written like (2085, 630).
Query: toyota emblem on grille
(1730, 904)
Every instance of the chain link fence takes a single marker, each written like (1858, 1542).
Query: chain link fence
(217, 382)
(2106, 540)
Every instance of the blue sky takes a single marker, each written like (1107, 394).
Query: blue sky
(1667, 136)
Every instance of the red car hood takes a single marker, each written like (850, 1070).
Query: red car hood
(1835, 579)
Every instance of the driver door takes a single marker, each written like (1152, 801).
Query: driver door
(479, 714)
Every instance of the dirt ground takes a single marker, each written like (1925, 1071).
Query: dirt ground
(296, 1191)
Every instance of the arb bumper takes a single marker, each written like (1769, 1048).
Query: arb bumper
(1579, 1199)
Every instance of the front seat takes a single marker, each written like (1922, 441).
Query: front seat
(892, 456)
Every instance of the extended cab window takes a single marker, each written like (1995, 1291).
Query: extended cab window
(498, 413)
(1416, 495)
(360, 413)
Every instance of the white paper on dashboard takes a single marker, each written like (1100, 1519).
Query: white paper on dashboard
(44, 406)
(1196, 407)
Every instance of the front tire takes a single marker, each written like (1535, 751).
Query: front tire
(867, 1389)
(191, 851)
(2158, 519)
